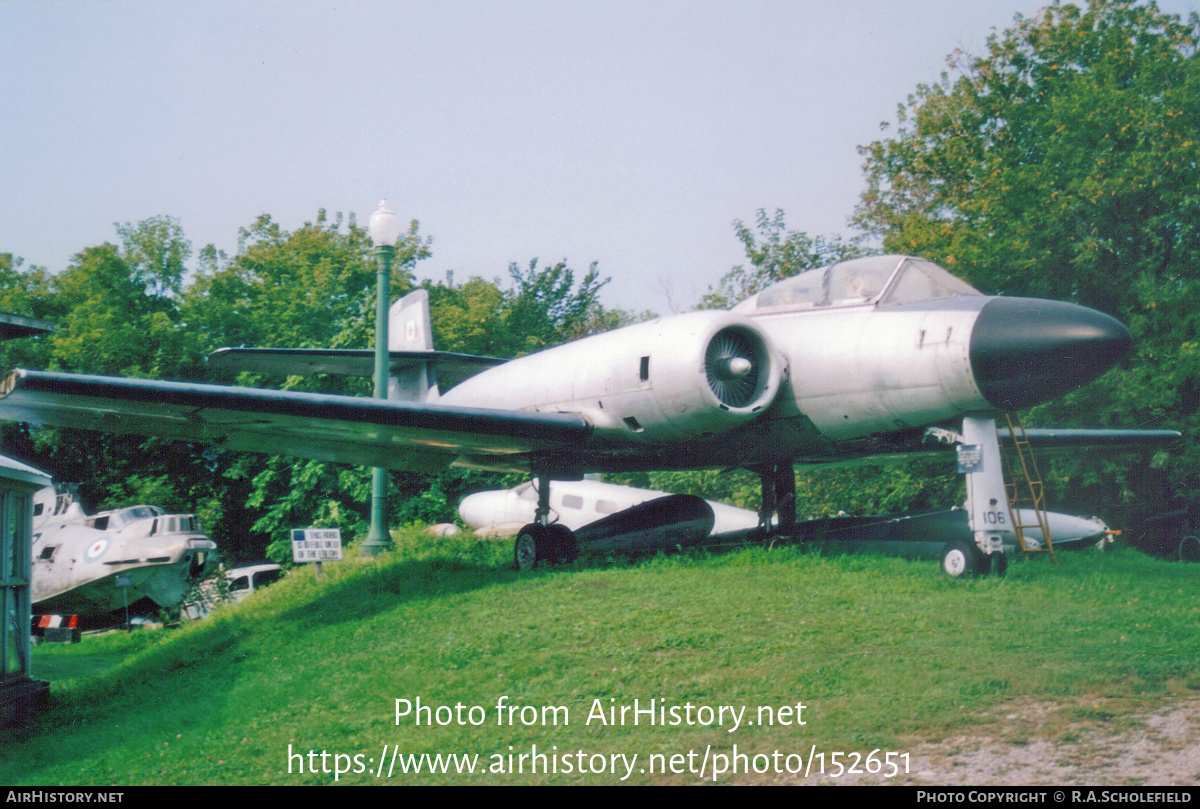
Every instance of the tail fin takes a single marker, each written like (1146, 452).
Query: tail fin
(409, 323)
(410, 329)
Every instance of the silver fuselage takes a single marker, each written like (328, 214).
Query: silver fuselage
(837, 374)
(836, 361)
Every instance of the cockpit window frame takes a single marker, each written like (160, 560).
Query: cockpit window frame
(935, 275)
(751, 305)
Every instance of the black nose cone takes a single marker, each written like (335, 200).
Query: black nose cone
(1026, 351)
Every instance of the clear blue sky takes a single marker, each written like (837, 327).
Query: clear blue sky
(629, 133)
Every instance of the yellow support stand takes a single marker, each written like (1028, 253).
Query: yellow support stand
(1021, 467)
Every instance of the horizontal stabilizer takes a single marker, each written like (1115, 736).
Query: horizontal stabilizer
(1099, 439)
(451, 368)
(914, 444)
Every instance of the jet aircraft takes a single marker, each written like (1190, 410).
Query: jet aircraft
(94, 566)
(859, 360)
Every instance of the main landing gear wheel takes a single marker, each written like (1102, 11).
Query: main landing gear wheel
(544, 543)
(530, 547)
(960, 558)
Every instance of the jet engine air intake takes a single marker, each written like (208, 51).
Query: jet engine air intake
(705, 374)
(733, 364)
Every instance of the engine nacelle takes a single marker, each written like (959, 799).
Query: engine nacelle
(705, 380)
(681, 377)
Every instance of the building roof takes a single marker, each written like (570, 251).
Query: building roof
(12, 470)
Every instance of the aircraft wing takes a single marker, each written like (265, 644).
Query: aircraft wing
(345, 429)
(452, 368)
(416, 436)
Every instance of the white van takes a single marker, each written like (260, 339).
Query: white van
(245, 580)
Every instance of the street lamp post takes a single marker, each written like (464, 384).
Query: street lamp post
(384, 230)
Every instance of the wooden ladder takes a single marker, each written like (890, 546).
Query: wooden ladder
(1021, 467)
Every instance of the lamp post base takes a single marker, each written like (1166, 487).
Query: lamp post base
(374, 546)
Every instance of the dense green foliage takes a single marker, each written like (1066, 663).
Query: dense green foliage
(1063, 163)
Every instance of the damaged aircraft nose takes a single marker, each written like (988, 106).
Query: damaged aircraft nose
(1025, 351)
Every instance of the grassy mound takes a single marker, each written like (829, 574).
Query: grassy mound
(881, 652)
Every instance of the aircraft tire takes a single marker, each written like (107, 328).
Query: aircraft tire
(529, 547)
(960, 559)
(560, 543)
(1189, 549)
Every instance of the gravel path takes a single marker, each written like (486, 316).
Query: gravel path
(1089, 743)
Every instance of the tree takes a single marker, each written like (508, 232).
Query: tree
(133, 309)
(128, 310)
(545, 308)
(117, 312)
(156, 251)
(775, 253)
(468, 317)
(26, 291)
(542, 308)
(313, 287)
(1065, 163)
(310, 288)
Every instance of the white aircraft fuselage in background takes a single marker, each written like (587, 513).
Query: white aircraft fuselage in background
(576, 503)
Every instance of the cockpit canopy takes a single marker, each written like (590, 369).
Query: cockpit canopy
(112, 520)
(885, 280)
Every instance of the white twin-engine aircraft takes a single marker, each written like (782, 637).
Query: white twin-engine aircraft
(577, 504)
(861, 359)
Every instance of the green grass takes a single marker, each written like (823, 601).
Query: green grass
(61, 663)
(882, 652)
